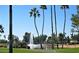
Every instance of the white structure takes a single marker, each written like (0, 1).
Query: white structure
(31, 44)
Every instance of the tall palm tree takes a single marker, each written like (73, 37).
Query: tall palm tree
(43, 7)
(55, 24)
(64, 7)
(52, 26)
(10, 30)
(34, 12)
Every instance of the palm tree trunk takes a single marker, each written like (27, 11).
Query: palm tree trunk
(37, 30)
(64, 25)
(55, 24)
(42, 28)
(43, 22)
(10, 30)
(52, 27)
(36, 26)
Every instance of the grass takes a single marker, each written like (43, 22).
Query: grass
(22, 50)
(68, 50)
(17, 50)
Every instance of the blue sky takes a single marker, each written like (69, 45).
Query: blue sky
(23, 23)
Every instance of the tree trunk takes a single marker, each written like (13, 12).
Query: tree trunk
(55, 25)
(42, 27)
(10, 30)
(64, 25)
(43, 22)
(52, 27)
(37, 30)
(36, 26)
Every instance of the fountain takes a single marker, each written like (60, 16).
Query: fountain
(31, 43)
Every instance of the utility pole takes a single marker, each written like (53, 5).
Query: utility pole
(10, 30)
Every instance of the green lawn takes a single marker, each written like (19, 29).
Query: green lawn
(68, 50)
(21, 50)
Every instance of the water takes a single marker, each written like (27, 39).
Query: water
(31, 39)
(31, 42)
(32, 45)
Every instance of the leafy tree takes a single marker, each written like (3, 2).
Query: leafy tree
(68, 40)
(26, 37)
(36, 40)
(1, 29)
(61, 38)
(15, 41)
(75, 38)
(50, 40)
(41, 37)
(3, 41)
(75, 22)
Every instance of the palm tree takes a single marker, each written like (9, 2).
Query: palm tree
(52, 27)
(43, 7)
(64, 7)
(1, 29)
(77, 9)
(55, 24)
(10, 30)
(34, 12)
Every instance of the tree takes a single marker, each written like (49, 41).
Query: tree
(43, 7)
(34, 12)
(77, 9)
(1, 29)
(75, 23)
(3, 41)
(41, 37)
(26, 37)
(55, 24)
(10, 30)
(15, 41)
(64, 7)
(61, 38)
(52, 27)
